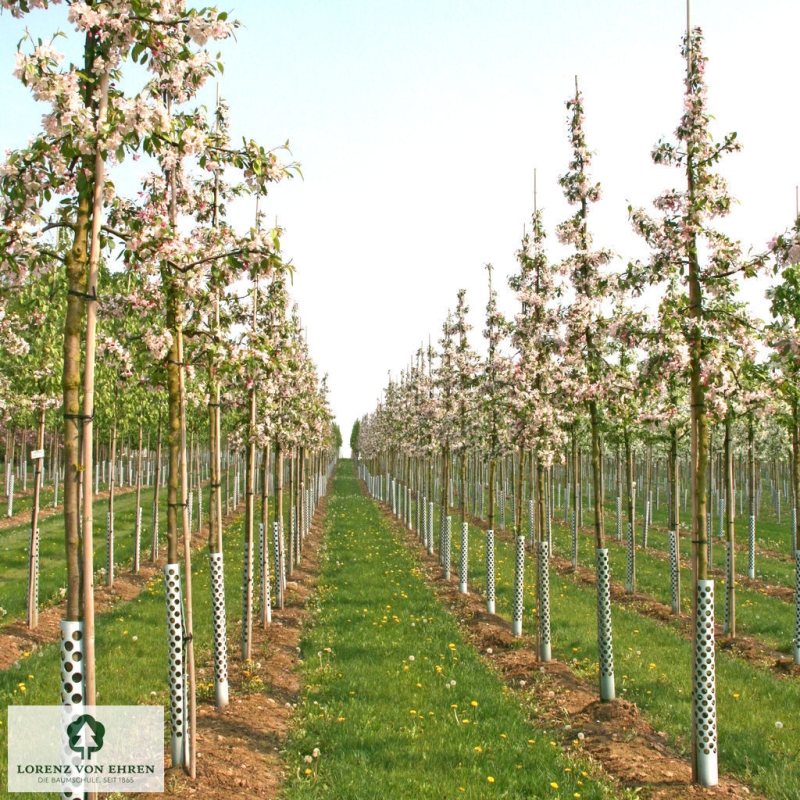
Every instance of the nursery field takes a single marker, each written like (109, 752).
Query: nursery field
(562, 561)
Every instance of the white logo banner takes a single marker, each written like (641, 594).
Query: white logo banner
(86, 748)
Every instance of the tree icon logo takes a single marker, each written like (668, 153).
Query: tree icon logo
(86, 735)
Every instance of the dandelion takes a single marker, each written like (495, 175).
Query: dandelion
(478, 749)
(411, 658)
(307, 759)
(134, 638)
(490, 779)
(553, 785)
(315, 752)
(778, 725)
(474, 703)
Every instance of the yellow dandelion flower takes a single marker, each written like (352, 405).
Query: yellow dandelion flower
(490, 779)
(474, 703)
(553, 785)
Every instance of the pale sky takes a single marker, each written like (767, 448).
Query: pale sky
(419, 124)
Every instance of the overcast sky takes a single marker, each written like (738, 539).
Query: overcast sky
(418, 125)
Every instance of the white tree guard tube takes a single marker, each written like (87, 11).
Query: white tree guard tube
(33, 579)
(191, 508)
(247, 597)
(446, 547)
(72, 696)
(605, 644)
(726, 625)
(646, 524)
(543, 575)
(630, 574)
(430, 528)
(797, 606)
(619, 518)
(220, 633)
(109, 549)
(674, 572)
(574, 540)
(408, 509)
(137, 540)
(278, 562)
(266, 588)
(177, 684)
(519, 587)
(751, 548)
(704, 694)
(794, 529)
(490, 582)
(155, 532)
(463, 564)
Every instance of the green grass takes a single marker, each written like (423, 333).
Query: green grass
(652, 668)
(394, 701)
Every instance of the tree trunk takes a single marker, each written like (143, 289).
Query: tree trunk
(33, 556)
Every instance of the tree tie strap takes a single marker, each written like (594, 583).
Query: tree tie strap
(84, 417)
(84, 295)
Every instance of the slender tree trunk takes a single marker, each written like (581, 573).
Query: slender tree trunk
(631, 583)
(266, 611)
(33, 556)
(156, 492)
(110, 522)
(730, 511)
(137, 511)
(597, 488)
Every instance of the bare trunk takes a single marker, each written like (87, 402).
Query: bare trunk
(33, 556)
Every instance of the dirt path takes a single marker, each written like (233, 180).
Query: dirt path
(615, 735)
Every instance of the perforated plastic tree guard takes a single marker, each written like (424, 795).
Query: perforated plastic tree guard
(726, 625)
(797, 606)
(704, 694)
(172, 581)
(751, 548)
(630, 575)
(543, 558)
(446, 547)
(430, 528)
(463, 559)
(490, 583)
(109, 549)
(619, 518)
(220, 624)
(674, 572)
(574, 540)
(646, 524)
(519, 587)
(277, 561)
(71, 691)
(604, 640)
